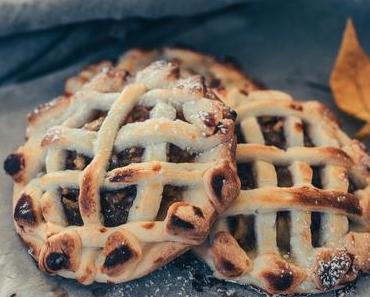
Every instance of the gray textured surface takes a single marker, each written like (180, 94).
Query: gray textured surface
(289, 45)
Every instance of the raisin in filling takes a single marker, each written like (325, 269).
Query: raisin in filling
(76, 161)
(115, 205)
(139, 113)
(242, 228)
(178, 155)
(180, 115)
(126, 157)
(246, 176)
(170, 195)
(284, 176)
(13, 164)
(352, 187)
(95, 121)
(316, 176)
(283, 231)
(239, 134)
(315, 228)
(69, 198)
(273, 130)
(307, 140)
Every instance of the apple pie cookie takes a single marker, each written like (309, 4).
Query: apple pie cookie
(122, 176)
(301, 223)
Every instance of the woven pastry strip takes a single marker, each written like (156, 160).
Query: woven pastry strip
(114, 184)
(301, 221)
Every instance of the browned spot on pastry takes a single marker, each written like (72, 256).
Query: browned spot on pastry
(339, 154)
(62, 252)
(69, 198)
(198, 212)
(14, 164)
(148, 225)
(230, 267)
(273, 130)
(331, 199)
(103, 229)
(279, 281)
(224, 185)
(116, 205)
(119, 251)
(123, 175)
(178, 155)
(296, 106)
(157, 167)
(118, 256)
(121, 73)
(87, 192)
(180, 223)
(24, 213)
(230, 259)
(126, 157)
(139, 113)
(86, 276)
(180, 220)
(244, 92)
(298, 127)
(48, 235)
(279, 276)
(159, 260)
(57, 261)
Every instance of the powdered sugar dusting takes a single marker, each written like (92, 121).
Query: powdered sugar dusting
(53, 134)
(193, 84)
(331, 272)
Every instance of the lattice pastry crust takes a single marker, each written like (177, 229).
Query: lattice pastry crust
(124, 175)
(301, 221)
(223, 77)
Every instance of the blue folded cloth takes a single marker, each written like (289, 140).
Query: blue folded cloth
(25, 15)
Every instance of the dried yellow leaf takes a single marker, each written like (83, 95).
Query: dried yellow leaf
(364, 131)
(350, 78)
